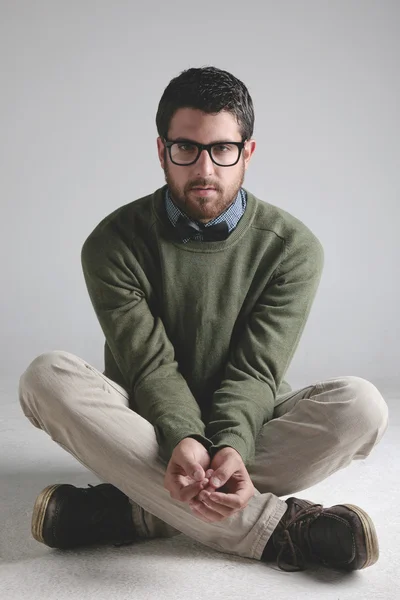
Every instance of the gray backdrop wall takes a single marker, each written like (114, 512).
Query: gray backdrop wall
(81, 81)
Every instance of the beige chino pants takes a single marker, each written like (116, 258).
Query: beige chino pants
(315, 431)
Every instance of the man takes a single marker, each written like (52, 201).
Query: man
(202, 292)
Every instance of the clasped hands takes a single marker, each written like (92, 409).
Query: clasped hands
(194, 478)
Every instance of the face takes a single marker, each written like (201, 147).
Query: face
(193, 124)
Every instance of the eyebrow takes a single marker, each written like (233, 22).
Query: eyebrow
(221, 141)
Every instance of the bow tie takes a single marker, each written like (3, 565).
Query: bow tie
(188, 229)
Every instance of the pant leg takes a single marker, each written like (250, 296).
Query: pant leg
(88, 415)
(315, 431)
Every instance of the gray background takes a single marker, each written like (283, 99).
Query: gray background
(80, 85)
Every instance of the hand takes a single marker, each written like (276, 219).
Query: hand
(235, 488)
(185, 475)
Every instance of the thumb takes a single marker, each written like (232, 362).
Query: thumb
(198, 473)
(193, 468)
(222, 474)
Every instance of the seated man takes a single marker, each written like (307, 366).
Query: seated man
(202, 291)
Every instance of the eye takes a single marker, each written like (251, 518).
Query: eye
(223, 148)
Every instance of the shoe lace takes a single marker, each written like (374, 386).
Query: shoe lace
(295, 532)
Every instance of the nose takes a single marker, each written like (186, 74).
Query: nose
(204, 165)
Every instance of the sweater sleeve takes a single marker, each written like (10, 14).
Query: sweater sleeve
(137, 339)
(260, 355)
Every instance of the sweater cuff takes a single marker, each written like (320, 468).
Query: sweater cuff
(234, 441)
(202, 439)
(168, 443)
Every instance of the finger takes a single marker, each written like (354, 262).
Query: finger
(211, 488)
(198, 474)
(217, 483)
(235, 501)
(188, 492)
(206, 512)
(222, 509)
(193, 470)
(225, 471)
(182, 481)
(174, 484)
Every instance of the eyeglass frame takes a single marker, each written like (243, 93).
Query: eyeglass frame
(200, 148)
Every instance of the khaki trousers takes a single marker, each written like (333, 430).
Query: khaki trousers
(315, 431)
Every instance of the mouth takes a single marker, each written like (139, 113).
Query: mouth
(204, 191)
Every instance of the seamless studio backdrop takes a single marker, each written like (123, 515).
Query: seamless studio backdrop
(81, 82)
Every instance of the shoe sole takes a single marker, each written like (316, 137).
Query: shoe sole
(39, 512)
(371, 538)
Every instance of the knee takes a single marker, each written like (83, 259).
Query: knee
(367, 411)
(47, 359)
(39, 376)
(38, 367)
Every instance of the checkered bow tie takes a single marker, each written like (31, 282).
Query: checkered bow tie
(188, 229)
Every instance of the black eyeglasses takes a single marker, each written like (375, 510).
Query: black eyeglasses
(186, 152)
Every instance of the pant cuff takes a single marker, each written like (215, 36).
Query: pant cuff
(138, 520)
(267, 528)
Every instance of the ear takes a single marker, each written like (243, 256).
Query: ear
(160, 150)
(248, 151)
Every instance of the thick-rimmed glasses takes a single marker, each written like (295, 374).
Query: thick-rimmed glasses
(186, 152)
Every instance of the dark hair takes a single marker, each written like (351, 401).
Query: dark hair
(210, 90)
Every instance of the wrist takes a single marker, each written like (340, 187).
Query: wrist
(231, 441)
(203, 441)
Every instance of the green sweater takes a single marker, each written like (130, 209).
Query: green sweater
(202, 333)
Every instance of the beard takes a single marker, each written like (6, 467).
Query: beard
(203, 208)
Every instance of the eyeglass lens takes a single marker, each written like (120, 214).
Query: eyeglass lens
(223, 154)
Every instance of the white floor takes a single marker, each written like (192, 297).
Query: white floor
(179, 567)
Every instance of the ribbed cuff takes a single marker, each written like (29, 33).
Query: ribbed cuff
(168, 443)
(231, 440)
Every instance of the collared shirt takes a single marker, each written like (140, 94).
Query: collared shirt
(231, 215)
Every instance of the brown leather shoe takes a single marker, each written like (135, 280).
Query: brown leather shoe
(342, 537)
(65, 516)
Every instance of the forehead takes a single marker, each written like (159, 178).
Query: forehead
(194, 124)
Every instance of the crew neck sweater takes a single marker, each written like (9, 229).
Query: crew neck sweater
(202, 333)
